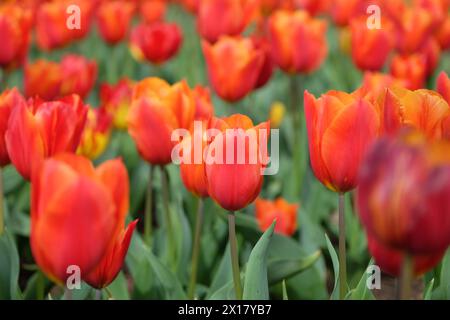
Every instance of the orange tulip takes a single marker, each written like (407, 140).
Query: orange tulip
(422, 110)
(116, 100)
(297, 40)
(267, 66)
(156, 42)
(235, 175)
(341, 127)
(314, 7)
(234, 66)
(152, 10)
(39, 130)
(204, 108)
(113, 18)
(96, 134)
(414, 29)
(443, 86)
(342, 11)
(403, 194)
(391, 260)
(280, 210)
(216, 18)
(443, 34)
(410, 69)
(43, 79)
(156, 110)
(374, 84)
(15, 25)
(371, 47)
(76, 213)
(431, 53)
(9, 99)
(79, 75)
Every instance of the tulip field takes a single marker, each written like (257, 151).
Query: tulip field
(225, 150)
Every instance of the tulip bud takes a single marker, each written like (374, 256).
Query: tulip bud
(43, 79)
(280, 210)
(410, 69)
(152, 10)
(113, 18)
(341, 127)
(204, 108)
(403, 192)
(78, 75)
(116, 100)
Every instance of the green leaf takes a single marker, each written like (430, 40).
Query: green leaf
(9, 268)
(361, 292)
(285, 294)
(139, 266)
(223, 275)
(335, 261)
(281, 269)
(119, 288)
(428, 290)
(256, 285)
(226, 292)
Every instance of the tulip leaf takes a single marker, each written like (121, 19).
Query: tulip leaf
(139, 266)
(361, 292)
(119, 288)
(223, 275)
(9, 268)
(256, 284)
(281, 269)
(226, 292)
(335, 261)
(285, 294)
(11, 179)
(428, 290)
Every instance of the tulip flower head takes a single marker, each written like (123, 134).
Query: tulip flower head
(403, 192)
(443, 86)
(280, 210)
(116, 100)
(411, 69)
(113, 19)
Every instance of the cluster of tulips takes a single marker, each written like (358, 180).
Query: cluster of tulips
(388, 139)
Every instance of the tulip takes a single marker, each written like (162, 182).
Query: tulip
(374, 84)
(414, 29)
(443, 34)
(152, 10)
(343, 10)
(43, 78)
(371, 47)
(113, 18)
(267, 65)
(96, 134)
(341, 127)
(204, 108)
(410, 69)
(390, 260)
(79, 75)
(443, 86)
(314, 7)
(431, 53)
(39, 130)
(156, 110)
(116, 100)
(234, 66)
(15, 25)
(218, 18)
(297, 40)
(76, 213)
(422, 110)
(156, 42)
(280, 210)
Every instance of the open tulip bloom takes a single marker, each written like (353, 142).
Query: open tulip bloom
(224, 150)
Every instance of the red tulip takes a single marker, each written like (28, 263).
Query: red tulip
(374, 84)
(443, 34)
(443, 86)
(39, 130)
(297, 40)
(235, 175)
(410, 69)
(79, 75)
(76, 213)
(158, 109)
(152, 10)
(341, 128)
(403, 194)
(414, 29)
(431, 53)
(9, 100)
(234, 66)
(204, 108)
(43, 79)
(116, 100)
(280, 210)
(268, 64)
(156, 42)
(390, 260)
(113, 18)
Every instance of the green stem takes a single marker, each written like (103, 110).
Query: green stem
(196, 249)
(148, 221)
(342, 250)
(40, 286)
(234, 255)
(109, 293)
(406, 277)
(167, 215)
(2, 222)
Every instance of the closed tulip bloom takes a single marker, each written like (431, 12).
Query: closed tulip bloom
(280, 210)
(414, 29)
(157, 109)
(79, 75)
(443, 86)
(76, 213)
(9, 99)
(423, 110)
(15, 25)
(234, 66)
(113, 20)
(152, 10)
(204, 108)
(376, 83)
(156, 42)
(39, 130)
(342, 11)
(431, 53)
(411, 69)
(43, 79)
(116, 100)
(268, 65)
(235, 175)
(96, 134)
(216, 18)
(341, 127)
(403, 194)
(442, 34)
(298, 41)
(371, 47)
(390, 260)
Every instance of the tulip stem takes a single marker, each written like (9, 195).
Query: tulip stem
(196, 249)
(342, 249)
(109, 293)
(148, 221)
(40, 286)
(2, 222)
(406, 277)
(168, 218)
(234, 255)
